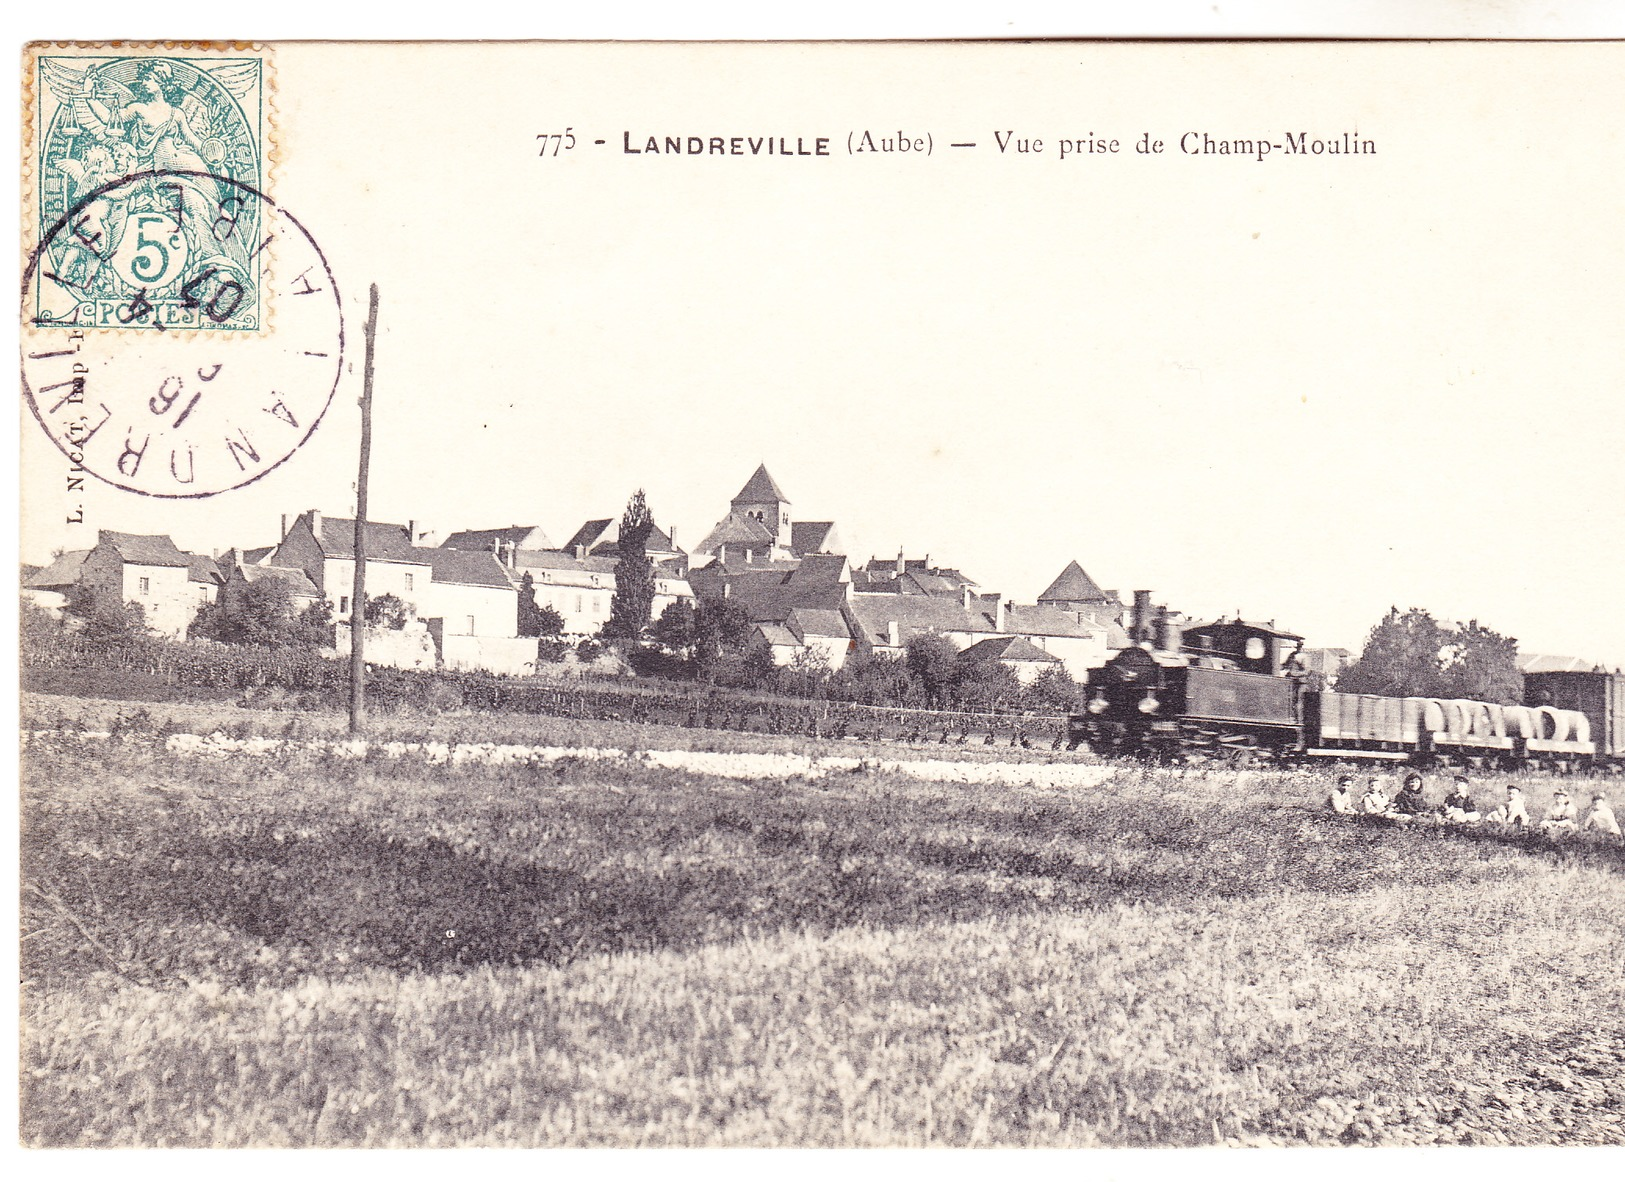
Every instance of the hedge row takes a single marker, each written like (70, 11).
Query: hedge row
(312, 680)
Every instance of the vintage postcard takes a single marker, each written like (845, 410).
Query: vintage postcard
(822, 594)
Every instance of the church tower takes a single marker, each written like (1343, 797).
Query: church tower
(763, 500)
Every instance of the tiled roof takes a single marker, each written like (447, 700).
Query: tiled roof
(589, 535)
(200, 568)
(810, 537)
(471, 568)
(562, 560)
(385, 542)
(1043, 620)
(820, 568)
(298, 582)
(258, 554)
(530, 536)
(736, 530)
(760, 488)
(656, 543)
(1008, 648)
(142, 549)
(816, 621)
(914, 614)
(928, 584)
(62, 571)
(778, 634)
(1073, 585)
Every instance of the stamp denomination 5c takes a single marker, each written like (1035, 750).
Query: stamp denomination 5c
(193, 123)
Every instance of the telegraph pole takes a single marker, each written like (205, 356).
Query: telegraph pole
(358, 596)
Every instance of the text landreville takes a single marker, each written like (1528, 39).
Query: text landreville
(734, 145)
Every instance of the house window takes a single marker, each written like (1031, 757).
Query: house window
(146, 586)
(471, 625)
(408, 581)
(578, 605)
(344, 604)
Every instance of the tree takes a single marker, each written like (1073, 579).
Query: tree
(1483, 665)
(262, 614)
(265, 613)
(528, 610)
(314, 625)
(634, 594)
(1054, 688)
(760, 670)
(807, 675)
(104, 616)
(982, 682)
(385, 611)
(933, 661)
(721, 627)
(674, 631)
(1410, 654)
(875, 679)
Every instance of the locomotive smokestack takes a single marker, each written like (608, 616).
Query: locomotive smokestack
(1170, 636)
(1140, 622)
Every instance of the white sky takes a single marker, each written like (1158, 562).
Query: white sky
(1304, 388)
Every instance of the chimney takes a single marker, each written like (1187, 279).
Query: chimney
(1001, 615)
(964, 596)
(894, 634)
(1140, 627)
(672, 534)
(581, 552)
(284, 532)
(513, 553)
(411, 532)
(899, 561)
(316, 523)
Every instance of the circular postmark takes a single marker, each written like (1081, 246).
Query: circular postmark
(167, 352)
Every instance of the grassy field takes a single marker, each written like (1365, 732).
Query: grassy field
(310, 951)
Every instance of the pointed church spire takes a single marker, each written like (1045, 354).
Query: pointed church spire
(761, 488)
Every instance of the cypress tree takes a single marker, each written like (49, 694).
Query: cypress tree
(630, 606)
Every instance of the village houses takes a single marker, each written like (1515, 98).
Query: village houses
(800, 592)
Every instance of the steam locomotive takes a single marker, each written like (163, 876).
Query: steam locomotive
(1233, 691)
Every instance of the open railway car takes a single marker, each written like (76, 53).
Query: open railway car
(1229, 690)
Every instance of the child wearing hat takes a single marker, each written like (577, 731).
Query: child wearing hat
(1459, 806)
(1561, 814)
(1601, 817)
(1342, 800)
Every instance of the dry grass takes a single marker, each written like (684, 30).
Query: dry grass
(317, 952)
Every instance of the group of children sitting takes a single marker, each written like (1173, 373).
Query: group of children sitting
(1459, 807)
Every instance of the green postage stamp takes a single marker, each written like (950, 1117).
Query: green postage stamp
(149, 176)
